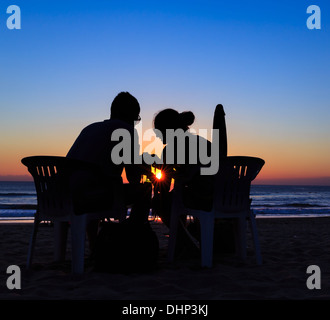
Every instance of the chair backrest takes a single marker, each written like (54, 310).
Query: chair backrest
(51, 175)
(233, 182)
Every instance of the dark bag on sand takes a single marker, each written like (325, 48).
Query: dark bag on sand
(126, 247)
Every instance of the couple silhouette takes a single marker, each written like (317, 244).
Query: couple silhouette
(94, 144)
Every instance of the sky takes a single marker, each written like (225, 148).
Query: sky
(62, 69)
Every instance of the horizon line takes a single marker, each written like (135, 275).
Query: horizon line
(316, 181)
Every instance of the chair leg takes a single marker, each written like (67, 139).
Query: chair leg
(176, 210)
(60, 235)
(241, 237)
(254, 230)
(32, 243)
(78, 237)
(172, 238)
(207, 233)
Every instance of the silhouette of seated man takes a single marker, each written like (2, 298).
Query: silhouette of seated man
(94, 144)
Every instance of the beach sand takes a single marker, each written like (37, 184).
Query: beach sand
(289, 246)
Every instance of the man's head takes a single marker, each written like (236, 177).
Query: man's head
(125, 107)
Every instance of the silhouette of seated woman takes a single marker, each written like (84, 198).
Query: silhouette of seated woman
(198, 189)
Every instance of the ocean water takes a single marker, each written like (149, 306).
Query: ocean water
(268, 200)
(18, 200)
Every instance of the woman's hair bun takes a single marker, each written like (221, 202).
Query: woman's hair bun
(186, 119)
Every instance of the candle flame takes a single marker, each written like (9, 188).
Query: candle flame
(159, 175)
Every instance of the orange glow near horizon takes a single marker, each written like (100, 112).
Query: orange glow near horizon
(283, 162)
(275, 168)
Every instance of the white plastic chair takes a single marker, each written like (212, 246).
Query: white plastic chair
(231, 200)
(57, 201)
